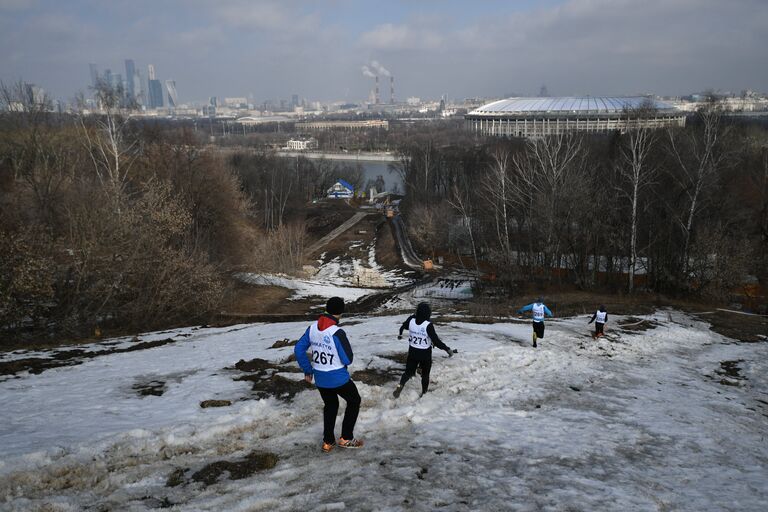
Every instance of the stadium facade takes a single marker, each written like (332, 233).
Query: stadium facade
(538, 117)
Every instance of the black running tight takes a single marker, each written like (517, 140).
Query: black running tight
(331, 400)
(411, 365)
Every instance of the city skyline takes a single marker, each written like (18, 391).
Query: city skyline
(492, 48)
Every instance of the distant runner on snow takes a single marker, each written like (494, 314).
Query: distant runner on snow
(421, 337)
(600, 318)
(539, 310)
(331, 353)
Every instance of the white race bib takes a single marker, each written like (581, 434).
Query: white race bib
(324, 357)
(417, 335)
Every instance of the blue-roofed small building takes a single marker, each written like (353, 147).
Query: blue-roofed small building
(341, 190)
(539, 117)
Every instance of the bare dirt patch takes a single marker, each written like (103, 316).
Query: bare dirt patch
(279, 387)
(744, 328)
(37, 365)
(266, 379)
(153, 502)
(376, 377)
(151, 388)
(325, 216)
(248, 299)
(234, 469)
(284, 343)
(730, 373)
(205, 404)
(632, 324)
(398, 357)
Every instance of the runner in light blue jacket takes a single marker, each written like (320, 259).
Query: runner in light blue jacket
(539, 311)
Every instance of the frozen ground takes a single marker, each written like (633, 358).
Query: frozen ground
(672, 418)
(348, 277)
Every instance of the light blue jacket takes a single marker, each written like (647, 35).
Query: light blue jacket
(529, 307)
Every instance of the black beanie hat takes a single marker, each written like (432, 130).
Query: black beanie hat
(335, 306)
(423, 312)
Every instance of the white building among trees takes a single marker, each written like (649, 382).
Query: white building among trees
(302, 144)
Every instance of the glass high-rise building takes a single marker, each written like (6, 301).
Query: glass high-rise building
(173, 96)
(130, 72)
(154, 89)
(155, 94)
(94, 74)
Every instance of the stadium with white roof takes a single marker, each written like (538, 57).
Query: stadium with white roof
(538, 117)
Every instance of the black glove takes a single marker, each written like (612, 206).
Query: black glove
(449, 352)
(399, 336)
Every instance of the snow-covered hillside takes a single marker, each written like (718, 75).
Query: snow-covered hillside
(672, 418)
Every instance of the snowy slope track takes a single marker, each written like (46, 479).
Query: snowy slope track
(410, 258)
(672, 418)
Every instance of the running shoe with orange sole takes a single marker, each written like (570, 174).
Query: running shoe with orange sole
(350, 443)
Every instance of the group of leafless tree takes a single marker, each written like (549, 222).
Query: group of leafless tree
(104, 224)
(677, 210)
(111, 221)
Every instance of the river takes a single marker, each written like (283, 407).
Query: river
(372, 170)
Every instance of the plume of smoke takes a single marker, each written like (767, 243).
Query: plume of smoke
(379, 68)
(367, 72)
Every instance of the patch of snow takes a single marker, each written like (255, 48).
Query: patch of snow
(303, 288)
(640, 421)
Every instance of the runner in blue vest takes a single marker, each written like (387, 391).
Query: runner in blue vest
(539, 310)
(331, 353)
(421, 337)
(600, 318)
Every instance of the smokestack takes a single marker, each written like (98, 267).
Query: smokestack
(391, 89)
(376, 94)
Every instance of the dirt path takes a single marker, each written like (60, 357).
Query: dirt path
(336, 232)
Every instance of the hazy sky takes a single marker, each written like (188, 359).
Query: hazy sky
(272, 49)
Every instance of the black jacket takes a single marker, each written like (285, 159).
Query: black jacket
(594, 315)
(423, 312)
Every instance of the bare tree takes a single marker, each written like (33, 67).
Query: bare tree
(699, 154)
(111, 151)
(497, 191)
(524, 188)
(548, 171)
(460, 200)
(37, 149)
(635, 171)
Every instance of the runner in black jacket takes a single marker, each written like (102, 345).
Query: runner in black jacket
(600, 318)
(421, 337)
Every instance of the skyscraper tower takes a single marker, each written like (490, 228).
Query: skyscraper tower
(94, 74)
(173, 96)
(130, 73)
(107, 77)
(138, 88)
(154, 89)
